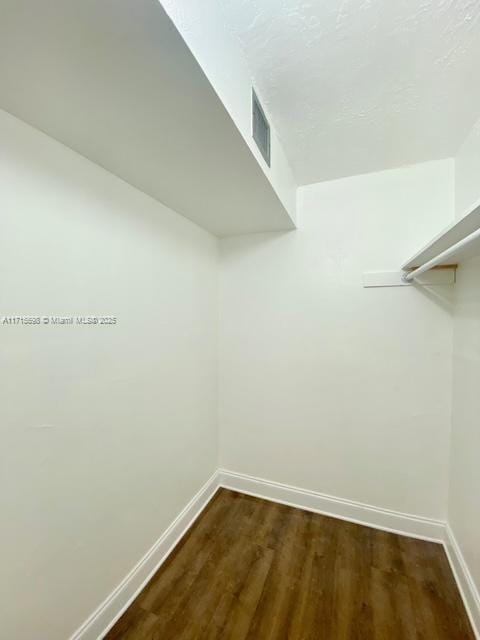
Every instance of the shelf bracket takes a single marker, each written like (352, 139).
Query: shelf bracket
(443, 275)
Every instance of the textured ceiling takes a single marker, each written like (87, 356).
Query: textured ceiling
(353, 86)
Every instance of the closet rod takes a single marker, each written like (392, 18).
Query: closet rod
(442, 257)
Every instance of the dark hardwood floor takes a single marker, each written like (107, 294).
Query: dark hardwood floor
(255, 570)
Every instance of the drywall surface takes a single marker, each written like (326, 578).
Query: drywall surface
(107, 431)
(323, 384)
(464, 495)
(204, 29)
(366, 85)
(467, 170)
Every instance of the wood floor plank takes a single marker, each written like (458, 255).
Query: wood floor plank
(169, 586)
(250, 569)
(135, 624)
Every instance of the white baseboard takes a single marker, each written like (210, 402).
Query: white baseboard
(103, 618)
(466, 585)
(401, 523)
(384, 519)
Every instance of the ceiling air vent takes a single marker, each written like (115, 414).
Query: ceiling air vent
(261, 128)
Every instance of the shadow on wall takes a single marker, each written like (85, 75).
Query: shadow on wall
(442, 295)
(248, 244)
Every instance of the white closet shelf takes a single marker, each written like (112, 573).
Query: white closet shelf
(446, 243)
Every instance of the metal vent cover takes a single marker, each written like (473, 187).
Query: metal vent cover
(260, 128)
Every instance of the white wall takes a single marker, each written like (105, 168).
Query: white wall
(329, 386)
(464, 495)
(467, 172)
(106, 431)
